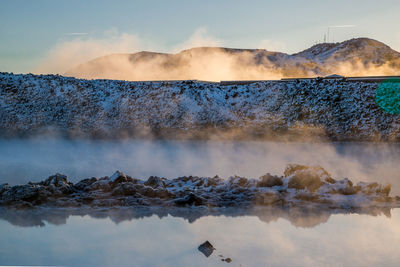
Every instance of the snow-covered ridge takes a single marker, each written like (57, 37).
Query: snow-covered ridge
(298, 109)
(300, 185)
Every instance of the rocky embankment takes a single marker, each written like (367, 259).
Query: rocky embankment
(281, 110)
(300, 185)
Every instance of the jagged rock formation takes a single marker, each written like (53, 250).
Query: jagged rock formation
(290, 110)
(301, 185)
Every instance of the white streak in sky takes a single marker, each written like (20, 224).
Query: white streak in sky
(342, 26)
(76, 33)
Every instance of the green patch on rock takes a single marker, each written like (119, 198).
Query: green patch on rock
(387, 96)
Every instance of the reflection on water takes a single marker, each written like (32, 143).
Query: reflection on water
(156, 237)
(297, 236)
(24, 160)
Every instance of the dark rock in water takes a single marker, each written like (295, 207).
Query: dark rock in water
(155, 182)
(206, 248)
(269, 180)
(228, 260)
(190, 199)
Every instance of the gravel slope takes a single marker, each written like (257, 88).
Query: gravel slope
(304, 109)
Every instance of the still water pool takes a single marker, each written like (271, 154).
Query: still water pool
(148, 239)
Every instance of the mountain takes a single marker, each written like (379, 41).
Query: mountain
(366, 50)
(355, 57)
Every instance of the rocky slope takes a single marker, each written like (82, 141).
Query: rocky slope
(289, 110)
(355, 57)
(301, 185)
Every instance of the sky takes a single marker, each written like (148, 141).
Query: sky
(45, 36)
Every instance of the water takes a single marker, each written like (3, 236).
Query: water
(336, 240)
(34, 160)
(266, 237)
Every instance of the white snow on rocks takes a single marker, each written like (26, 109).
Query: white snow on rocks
(301, 185)
(299, 109)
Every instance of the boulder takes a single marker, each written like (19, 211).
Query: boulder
(124, 189)
(269, 180)
(190, 199)
(60, 182)
(3, 188)
(83, 184)
(206, 248)
(305, 177)
(155, 182)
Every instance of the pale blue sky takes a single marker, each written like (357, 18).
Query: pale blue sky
(30, 29)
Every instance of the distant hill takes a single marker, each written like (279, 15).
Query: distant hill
(355, 57)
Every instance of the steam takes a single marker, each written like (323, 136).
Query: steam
(79, 50)
(207, 62)
(141, 159)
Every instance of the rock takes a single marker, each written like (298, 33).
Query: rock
(3, 188)
(147, 191)
(228, 260)
(56, 180)
(102, 184)
(214, 181)
(237, 181)
(269, 180)
(190, 199)
(155, 182)
(83, 184)
(350, 190)
(117, 175)
(330, 180)
(60, 182)
(162, 193)
(305, 177)
(385, 191)
(120, 177)
(124, 189)
(206, 248)
(28, 193)
(268, 198)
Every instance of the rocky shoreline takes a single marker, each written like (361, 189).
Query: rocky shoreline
(300, 186)
(306, 110)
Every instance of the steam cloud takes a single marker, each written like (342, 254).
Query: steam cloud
(209, 62)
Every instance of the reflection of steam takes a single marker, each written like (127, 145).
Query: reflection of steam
(303, 216)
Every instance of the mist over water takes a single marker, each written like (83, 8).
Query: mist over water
(36, 159)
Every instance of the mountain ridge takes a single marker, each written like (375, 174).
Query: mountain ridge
(356, 57)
